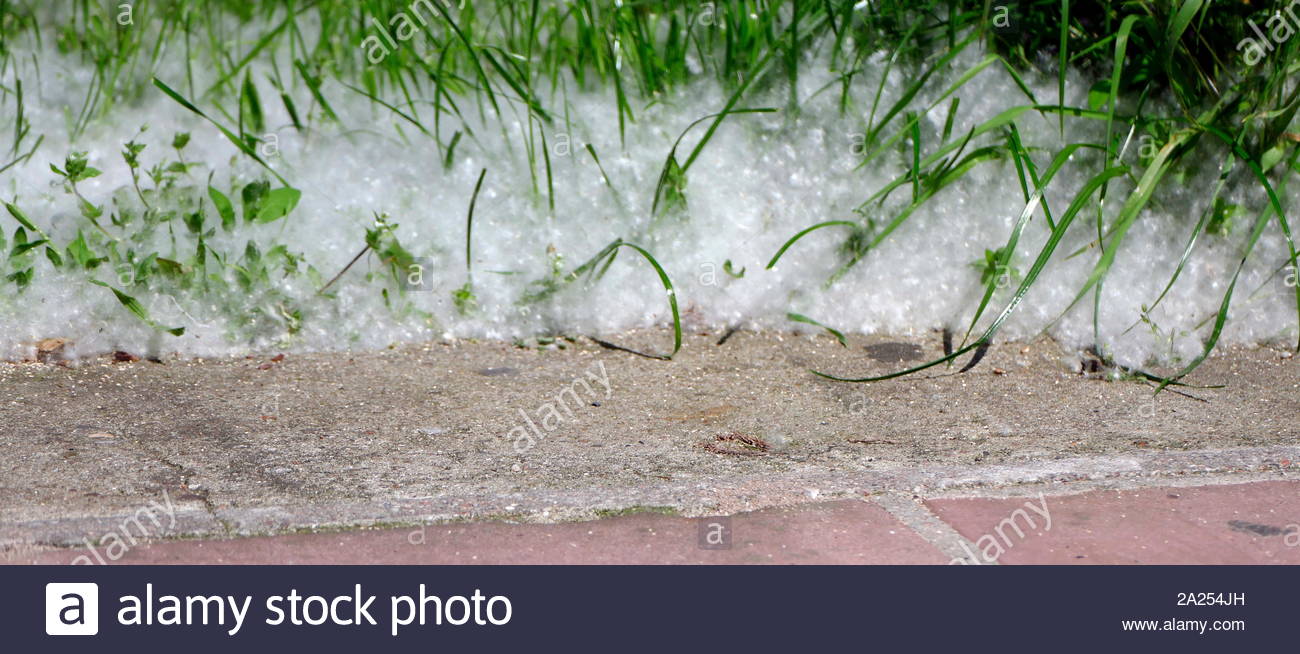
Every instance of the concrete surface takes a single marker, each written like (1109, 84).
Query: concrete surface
(421, 435)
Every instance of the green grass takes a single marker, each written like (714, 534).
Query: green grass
(636, 510)
(1164, 74)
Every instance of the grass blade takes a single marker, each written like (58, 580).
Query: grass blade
(238, 142)
(1080, 201)
(798, 317)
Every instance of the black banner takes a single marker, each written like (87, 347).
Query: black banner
(407, 608)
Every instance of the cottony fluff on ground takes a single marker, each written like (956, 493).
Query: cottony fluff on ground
(762, 178)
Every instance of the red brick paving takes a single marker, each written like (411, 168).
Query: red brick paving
(847, 531)
(1239, 523)
(1231, 524)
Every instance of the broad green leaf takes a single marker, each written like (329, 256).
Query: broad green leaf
(224, 208)
(79, 252)
(20, 217)
(277, 204)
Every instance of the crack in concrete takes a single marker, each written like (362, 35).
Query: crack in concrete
(186, 475)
